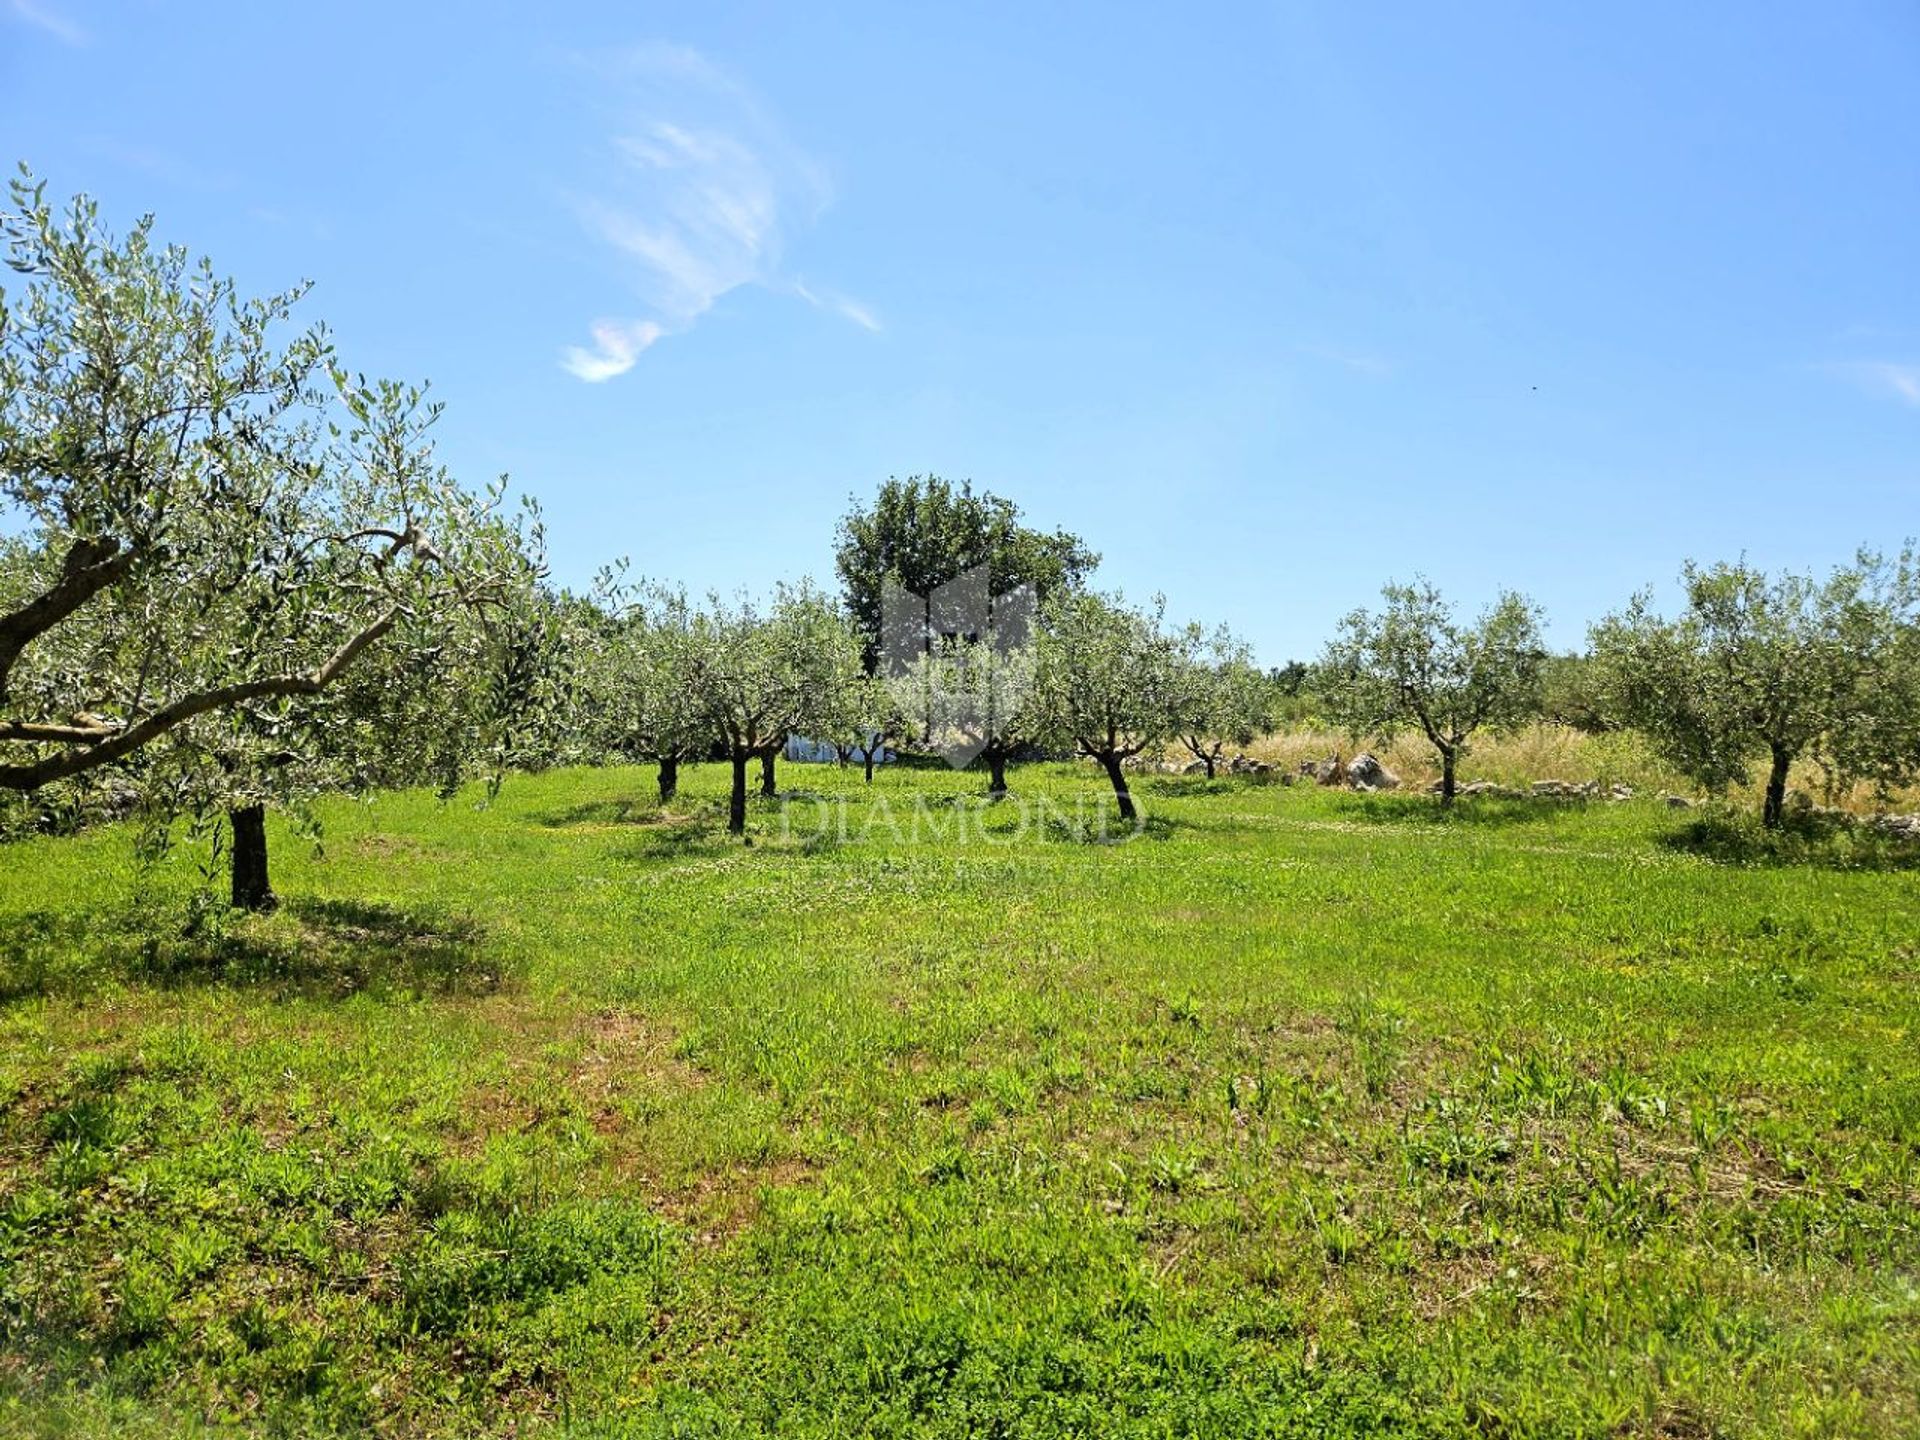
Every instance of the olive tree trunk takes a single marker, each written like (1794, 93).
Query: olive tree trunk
(1111, 763)
(996, 773)
(1449, 762)
(737, 796)
(767, 786)
(669, 777)
(1776, 802)
(251, 888)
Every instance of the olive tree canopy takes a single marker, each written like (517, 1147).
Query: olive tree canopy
(1224, 698)
(763, 672)
(211, 526)
(972, 698)
(1107, 680)
(640, 675)
(1771, 668)
(1414, 665)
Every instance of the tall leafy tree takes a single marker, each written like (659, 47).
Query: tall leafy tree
(1768, 669)
(924, 532)
(465, 693)
(1414, 665)
(1107, 680)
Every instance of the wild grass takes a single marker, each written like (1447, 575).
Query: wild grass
(1559, 752)
(1298, 1113)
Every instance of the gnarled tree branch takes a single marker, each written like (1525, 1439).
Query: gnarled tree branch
(90, 567)
(90, 753)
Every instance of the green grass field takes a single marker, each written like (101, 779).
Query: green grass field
(1299, 1113)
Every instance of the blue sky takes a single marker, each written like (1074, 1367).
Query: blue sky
(1269, 303)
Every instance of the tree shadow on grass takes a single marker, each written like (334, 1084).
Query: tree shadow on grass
(605, 812)
(43, 952)
(651, 833)
(1191, 786)
(1804, 842)
(1485, 811)
(677, 837)
(1160, 827)
(917, 760)
(1106, 828)
(371, 945)
(309, 947)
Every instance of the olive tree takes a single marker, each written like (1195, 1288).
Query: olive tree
(859, 718)
(762, 673)
(1224, 698)
(641, 672)
(1876, 737)
(464, 683)
(463, 692)
(977, 698)
(1770, 668)
(1107, 680)
(1414, 665)
(209, 523)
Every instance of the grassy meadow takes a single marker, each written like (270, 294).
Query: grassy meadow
(1297, 1113)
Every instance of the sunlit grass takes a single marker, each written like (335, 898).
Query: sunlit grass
(1298, 1112)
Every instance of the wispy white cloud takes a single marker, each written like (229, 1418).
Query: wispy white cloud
(1903, 380)
(616, 345)
(44, 17)
(698, 196)
(842, 305)
(1884, 379)
(1889, 379)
